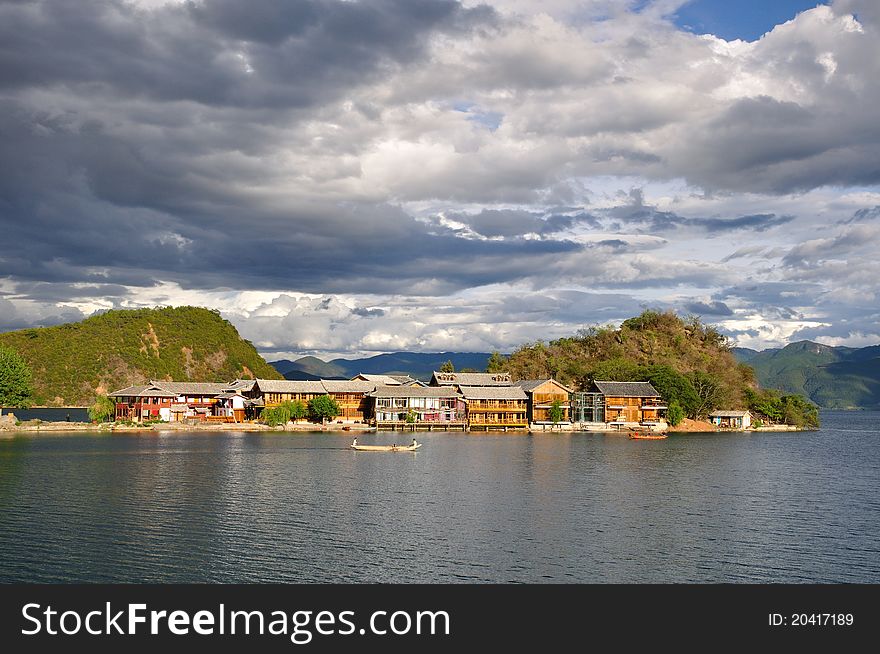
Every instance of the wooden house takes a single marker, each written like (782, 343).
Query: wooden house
(731, 419)
(542, 393)
(275, 391)
(405, 407)
(495, 407)
(631, 402)
(351, 396)
(168, 401)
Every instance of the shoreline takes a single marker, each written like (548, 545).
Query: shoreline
(109, 428)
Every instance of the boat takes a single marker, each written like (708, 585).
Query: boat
(385, 448)
(647, 436)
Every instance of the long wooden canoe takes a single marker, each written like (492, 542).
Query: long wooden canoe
(647, 437)
(386, 448)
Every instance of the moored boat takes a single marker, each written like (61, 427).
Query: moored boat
(647, 436)
(386, 448)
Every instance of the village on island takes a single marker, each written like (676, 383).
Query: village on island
(451, 401)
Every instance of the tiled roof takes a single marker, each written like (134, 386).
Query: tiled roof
(384, 380)
(493, 392)
(626, 389)
(129, 391)
(290, 386)
(728, 414)
(529, 385)
(191, 388)
(414, 391)
(347, 386)
(470, 379)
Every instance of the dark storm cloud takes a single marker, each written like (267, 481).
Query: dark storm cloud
(636, 212)
(709, 308)
(262, 53)
(512, 223)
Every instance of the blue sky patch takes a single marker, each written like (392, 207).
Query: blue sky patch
(743, 19)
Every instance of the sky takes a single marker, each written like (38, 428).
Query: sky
(346, 178)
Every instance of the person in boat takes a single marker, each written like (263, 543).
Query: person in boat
(354, 442)
(414, 443)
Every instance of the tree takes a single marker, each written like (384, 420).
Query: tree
(675, 414)
(710, 393)
(276, 415)
(16, 382)
(102, 410)
(673, 386)
(298, 410)
(557, 413)
(323, 407)
(447, 367)
(497, 362)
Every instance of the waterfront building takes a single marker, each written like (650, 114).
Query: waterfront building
(731, 419)
(351, 396)
(542, 393)
(415, 407)
(495, 407)
(630, 402)
(276, 391)
(167, 400)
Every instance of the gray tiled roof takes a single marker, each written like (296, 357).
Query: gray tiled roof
(728, 414)
(384, 380)
(493, 392)
(129, 391)
(347, 386)
(626, 389)
(290, 386)
(191, 388)
(470, 379)
(414, 391)
(529, 385)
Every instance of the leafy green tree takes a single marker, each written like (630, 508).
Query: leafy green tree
(102, 410)
(447, 367)
(617, 369)
(323, 407)
(276, 415)
(557, 413)
(298, 410)
(673, 386)
(675, 414)
(16, 382)
(411, 416)
(497, 362)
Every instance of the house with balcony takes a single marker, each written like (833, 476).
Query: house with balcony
(417, 407)
(495, 407)
(630, 403)
(542, 394)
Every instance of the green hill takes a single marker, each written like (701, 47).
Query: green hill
(689, 363)
(832, 377)
(72, 363)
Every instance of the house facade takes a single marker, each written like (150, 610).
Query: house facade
(630, 402)
(398, 406)
(731, 419)
(541, 394)
(168, 401)
(351, 396)
(495, 407)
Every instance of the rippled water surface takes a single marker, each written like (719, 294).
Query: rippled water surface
(230, 507)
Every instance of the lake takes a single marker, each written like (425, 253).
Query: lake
(302, 507)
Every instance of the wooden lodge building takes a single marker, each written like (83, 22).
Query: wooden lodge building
(620, 403)
(495, 407)
(542, 393)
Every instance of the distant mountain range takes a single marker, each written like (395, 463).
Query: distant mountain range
(416, 364)
(832, 377)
